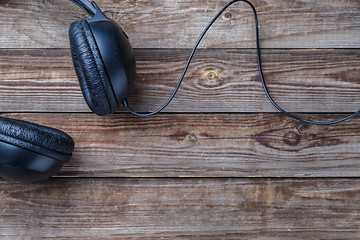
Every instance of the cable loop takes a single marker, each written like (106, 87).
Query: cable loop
(126, 105)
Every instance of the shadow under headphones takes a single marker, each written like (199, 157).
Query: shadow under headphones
(105, 65)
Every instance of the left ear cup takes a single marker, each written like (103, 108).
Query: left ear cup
(91, 70)
(35, 137)
(31, 152)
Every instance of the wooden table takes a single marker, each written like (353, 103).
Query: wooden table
(220, 162)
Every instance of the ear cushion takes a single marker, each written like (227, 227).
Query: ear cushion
(34, 137)
(90, 69)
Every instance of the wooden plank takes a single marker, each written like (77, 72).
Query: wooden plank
(218, 81)
(206, 145)
(177, 24)
(181, 209)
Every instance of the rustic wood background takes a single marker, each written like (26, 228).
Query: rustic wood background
(220, 162)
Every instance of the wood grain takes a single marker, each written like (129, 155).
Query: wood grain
(206, 145)
(219, 80)
(177, 23)
(219, 163)
(181, 209)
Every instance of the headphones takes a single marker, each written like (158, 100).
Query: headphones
(105, 66)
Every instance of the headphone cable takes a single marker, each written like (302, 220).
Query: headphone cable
(126, 105)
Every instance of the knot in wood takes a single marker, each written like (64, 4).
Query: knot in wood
(192, 137)
(292, 139)
(227, 16)
(303, 128)
(212, 76)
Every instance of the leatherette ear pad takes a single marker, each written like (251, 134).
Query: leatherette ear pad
(90, 69)
(33, 137)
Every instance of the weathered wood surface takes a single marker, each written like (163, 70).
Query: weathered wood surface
(160, 24)
(206, 145)
(218, 81)
(181, 209)
(217, 127)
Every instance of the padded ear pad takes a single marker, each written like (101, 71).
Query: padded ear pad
(35, 137)
(30, 152)
(90, 69)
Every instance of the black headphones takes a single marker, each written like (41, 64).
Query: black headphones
(105, 65)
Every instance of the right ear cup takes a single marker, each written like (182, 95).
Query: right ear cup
(30, 152)
(90, 69)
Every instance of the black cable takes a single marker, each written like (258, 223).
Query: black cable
(259, 67)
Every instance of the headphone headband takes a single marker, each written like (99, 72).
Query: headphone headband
(86, 6)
